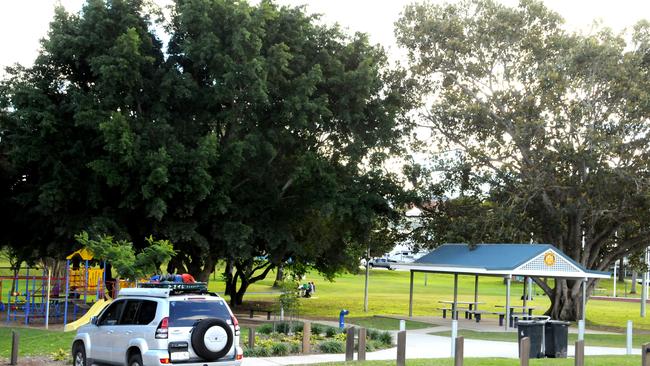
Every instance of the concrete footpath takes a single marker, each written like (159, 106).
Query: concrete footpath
(419, 344)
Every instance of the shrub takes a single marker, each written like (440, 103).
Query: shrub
(375, 346)
(288, 327)
(385, 338)
(257, 352)
(317, 329)
(373, 334)
(370, 346)
(341, 337)
(61, 355)
(296, 347)
(280, 349)
(298, 327)
(331, 347)
(265, 328)
(331, 332)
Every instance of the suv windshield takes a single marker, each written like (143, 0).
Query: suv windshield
(187, 312)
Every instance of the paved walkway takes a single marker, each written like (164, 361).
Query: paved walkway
(419, 344)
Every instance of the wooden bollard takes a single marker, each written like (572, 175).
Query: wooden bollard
(524, 351)
(401, 348)
(251, 338)
(580, 353)
(645, 355)
(349, 344)
(306, 337)
(361, 355)
(458, 354)
(14, 348)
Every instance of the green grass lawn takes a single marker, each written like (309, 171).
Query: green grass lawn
(589, 361)
(377, 322)
(389, 296)
(599, 340)
(35, 341)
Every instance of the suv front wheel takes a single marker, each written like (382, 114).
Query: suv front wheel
(79, 355)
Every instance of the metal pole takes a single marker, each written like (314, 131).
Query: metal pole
(67, 293)
(27, 297)
(454, 335)
(365, 291)
(615, 265)
(507, 317)
(47, 299)
(454, 306)
(411, 296)
(629, 338)
(644, 289)
(581, 330)
(530, 288)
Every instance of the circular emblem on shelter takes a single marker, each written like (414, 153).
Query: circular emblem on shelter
(549, 259)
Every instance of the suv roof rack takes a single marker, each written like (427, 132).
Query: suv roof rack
(178, 287)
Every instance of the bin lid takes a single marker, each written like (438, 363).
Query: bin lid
(531, 322)
(558, 322)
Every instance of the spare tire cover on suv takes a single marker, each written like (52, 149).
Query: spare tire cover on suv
(212, 338)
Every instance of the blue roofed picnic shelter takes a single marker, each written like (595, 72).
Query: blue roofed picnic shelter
(503, 260)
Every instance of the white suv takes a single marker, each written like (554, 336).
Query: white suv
(161, 324)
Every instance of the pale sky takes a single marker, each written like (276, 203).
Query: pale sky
(24, 22)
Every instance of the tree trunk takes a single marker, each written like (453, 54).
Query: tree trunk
(566, 299)
(634, 279)
(279, 276)
(228, 274)
(621, 271)
(204, 273)
(245, 275)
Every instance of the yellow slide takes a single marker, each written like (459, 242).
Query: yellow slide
(94, 310)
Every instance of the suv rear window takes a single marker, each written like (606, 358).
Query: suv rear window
(187, 312)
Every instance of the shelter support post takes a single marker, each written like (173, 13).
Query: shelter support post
(411, 296)
(525, 297)
(475, 292)
(507, 317)
(584, 299)
(454, 307)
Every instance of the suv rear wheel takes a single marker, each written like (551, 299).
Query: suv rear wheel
(212, 338)
(78, 354)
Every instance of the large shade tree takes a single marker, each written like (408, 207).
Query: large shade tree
(304, 117)
(550, 129)
(257, 137)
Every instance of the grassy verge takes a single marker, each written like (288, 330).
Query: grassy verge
(589, 361)
(35, 342)
(599, 340)
(378, 322)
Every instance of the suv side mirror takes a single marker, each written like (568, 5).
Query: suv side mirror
(94, 320)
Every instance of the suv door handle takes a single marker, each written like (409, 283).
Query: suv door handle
(129, 331)
(109, 332)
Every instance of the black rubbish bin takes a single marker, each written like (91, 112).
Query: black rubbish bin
(534, 330)
(556, 334)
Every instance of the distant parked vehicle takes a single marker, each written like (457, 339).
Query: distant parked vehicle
(381, 263)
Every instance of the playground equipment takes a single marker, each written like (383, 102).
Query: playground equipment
(82, 279)
(94, 310)
(30, 295)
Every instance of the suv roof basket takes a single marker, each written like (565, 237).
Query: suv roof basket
(178, 287)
